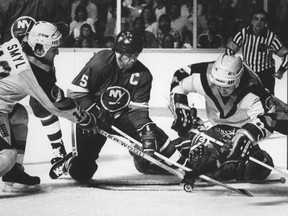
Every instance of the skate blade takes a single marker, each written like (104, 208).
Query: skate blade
(20, 188)
(59, 169)
(56, 172)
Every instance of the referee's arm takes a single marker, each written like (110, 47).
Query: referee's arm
(283, 54)
(232, 48)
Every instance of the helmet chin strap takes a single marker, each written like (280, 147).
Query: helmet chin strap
(121, 64)
(41, 59)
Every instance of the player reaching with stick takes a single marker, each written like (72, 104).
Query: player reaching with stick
(108, 68)
(236, 108)
(25, 69)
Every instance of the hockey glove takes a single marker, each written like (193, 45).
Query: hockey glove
(243, 141)
(5, 69)
(89, 124)
(183, 119)
(105, 118)
(279, 74)
(149, 138)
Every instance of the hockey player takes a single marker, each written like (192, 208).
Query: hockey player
(116, 67)
(20, 29)
(27, 70)
(235, 106)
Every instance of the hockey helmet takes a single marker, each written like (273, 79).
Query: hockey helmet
(128, 42)
(227, 71)
(45, 34)
(22, 26)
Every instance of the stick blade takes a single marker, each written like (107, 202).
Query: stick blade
(244, 192)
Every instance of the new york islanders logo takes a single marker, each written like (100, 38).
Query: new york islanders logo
(115, 98)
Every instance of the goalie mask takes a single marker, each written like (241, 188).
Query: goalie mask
(115, 98)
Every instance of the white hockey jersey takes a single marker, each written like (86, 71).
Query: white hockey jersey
(242, 106)
(22, 82)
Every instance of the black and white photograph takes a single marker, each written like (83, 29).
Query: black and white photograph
(143, 107)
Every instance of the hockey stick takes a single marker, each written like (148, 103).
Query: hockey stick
(204, 177)
(138, 152)
(250, 158)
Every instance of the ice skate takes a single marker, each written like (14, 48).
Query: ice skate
(17, 180)
(60, 167)
(59, 152)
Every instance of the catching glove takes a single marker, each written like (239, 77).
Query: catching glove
(183, 119)
(243, 141)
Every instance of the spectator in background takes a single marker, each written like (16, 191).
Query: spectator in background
(92, 10)
(86, 37)
(160, 8)
(187, 10)
(149, 39)
(81, 17)
(111, 20)
(212, 38)
(149, 3)
(167, 41)
(125, 24)
(258, 45)
(178, 22)
(99, 35)
(148, 15)
(162, 27)
(187, 39)
(109, 42)
(228, 17)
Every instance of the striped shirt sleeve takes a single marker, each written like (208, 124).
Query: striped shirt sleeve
(282, 52)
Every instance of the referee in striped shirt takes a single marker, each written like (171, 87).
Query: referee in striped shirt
(258, 43)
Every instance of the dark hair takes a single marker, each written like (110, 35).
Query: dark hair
(139, 19)
(86, 25)
(164, 17)
(259, 10)
(80, 8)
(153, 16)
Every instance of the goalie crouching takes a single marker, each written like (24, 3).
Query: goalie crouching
(235, 107)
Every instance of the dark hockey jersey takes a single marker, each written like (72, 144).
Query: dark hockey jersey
(101, 72)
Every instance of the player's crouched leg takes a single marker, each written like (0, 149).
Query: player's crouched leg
(82, 169)
(7, 160)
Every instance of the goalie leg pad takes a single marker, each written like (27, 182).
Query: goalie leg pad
(231, 169)
(82, 169)
(255, 171)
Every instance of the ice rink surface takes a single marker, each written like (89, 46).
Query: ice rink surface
(139, 194)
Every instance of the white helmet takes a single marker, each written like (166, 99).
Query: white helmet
(45, 34)
(227, 71)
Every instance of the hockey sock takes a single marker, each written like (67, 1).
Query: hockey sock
(53, 130)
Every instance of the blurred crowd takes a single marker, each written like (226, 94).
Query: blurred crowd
(169, 23)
